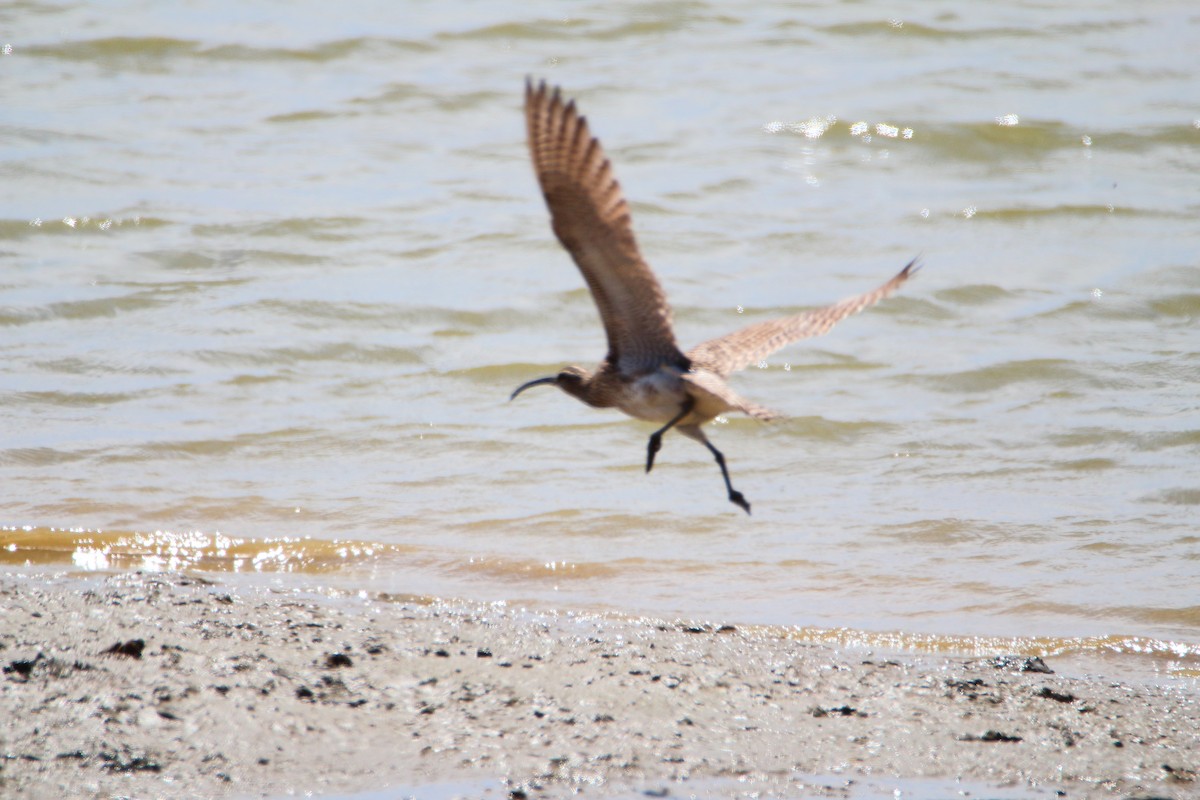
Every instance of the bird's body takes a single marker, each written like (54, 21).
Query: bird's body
(645, 374)
(654, 397)
(657, 396)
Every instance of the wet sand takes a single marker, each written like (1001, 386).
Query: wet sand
(174, 686)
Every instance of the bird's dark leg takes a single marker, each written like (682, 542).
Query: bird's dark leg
(656, 438)
(735, 496)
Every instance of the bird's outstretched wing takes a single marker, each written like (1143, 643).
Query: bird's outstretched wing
(590, 217)
(739, 349)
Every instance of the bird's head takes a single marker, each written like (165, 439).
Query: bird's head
(571, 380)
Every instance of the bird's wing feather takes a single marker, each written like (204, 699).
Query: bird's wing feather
(714, 396)
(590, 217)
(739, 349)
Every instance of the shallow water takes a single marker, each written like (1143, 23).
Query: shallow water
(269, 279)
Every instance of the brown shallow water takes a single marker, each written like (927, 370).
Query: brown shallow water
(266, 282)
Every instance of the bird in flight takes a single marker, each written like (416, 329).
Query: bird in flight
(645, 374)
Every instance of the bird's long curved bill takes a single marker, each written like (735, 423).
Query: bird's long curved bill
(524, 386)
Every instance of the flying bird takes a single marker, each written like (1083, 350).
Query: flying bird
(645, 374)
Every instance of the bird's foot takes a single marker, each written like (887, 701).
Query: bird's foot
(738, 500)
(652, 449)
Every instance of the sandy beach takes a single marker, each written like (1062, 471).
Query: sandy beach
(175, 686)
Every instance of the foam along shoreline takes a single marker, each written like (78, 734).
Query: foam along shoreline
(175, 686)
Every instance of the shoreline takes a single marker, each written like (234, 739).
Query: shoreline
(170, 685)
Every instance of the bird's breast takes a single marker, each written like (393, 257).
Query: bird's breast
(656, 397)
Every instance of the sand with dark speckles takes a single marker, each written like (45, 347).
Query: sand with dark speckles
(169, 686)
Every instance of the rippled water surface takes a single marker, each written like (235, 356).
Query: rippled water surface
(267, 278)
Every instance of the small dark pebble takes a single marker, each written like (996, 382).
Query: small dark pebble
(72, 754)
(517, 794)
(113, 763)
(1181, 774)
(1022, 664)
(663, 792)
(845, 711)
(132, 648)
(23, 668)
(990, 736)
(304, 693)
(727, 629)
(336, 660)
(442, 653)
(483, 652)
(1058, 697)
(603, 718)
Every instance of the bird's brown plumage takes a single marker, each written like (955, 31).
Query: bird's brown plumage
(733, 351)
(645, 374)
(591, 218)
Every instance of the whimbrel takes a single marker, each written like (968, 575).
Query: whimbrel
(645, 374)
